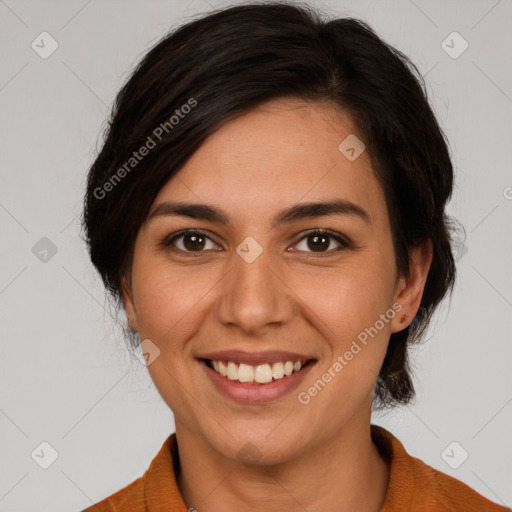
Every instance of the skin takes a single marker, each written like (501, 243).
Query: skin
(318, 456)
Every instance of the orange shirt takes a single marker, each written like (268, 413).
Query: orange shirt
(413, 486)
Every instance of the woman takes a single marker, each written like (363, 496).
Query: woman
(269, 206)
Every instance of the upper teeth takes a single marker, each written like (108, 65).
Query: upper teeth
(261, 373)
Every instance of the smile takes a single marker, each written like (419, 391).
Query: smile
(255, 377)
(256, 374)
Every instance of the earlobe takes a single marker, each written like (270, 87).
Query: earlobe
(129, 306)
(410, 287)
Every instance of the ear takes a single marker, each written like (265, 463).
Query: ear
(410, 287)
(129, 305)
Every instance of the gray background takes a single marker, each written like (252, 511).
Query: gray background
(66, 376)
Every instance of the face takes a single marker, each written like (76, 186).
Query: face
(289, 259)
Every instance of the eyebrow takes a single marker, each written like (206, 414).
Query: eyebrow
(296, 212)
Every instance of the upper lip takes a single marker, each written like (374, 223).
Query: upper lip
(255, 358)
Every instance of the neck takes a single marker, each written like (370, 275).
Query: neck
(342, 472)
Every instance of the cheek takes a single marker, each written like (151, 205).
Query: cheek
(168, 301)
(344, 301)
(353, 314)
(171, 307)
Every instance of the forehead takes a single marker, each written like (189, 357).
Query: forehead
(279, 153)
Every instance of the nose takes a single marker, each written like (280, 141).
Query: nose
(254, 296)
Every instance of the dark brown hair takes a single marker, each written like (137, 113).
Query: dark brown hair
(222, 65)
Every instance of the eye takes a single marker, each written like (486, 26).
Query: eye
(191, 241)
(319, 241)
(322, 241)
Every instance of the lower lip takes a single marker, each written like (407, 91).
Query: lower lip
(256, 393)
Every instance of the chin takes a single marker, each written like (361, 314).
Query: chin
(258, 448)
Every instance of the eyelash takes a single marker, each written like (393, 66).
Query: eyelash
(344, 242)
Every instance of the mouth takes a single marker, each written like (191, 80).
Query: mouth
(256, 374)
(256, 378)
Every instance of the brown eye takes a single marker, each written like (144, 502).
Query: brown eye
(192, 241)
(318, 242)
(321, 241)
